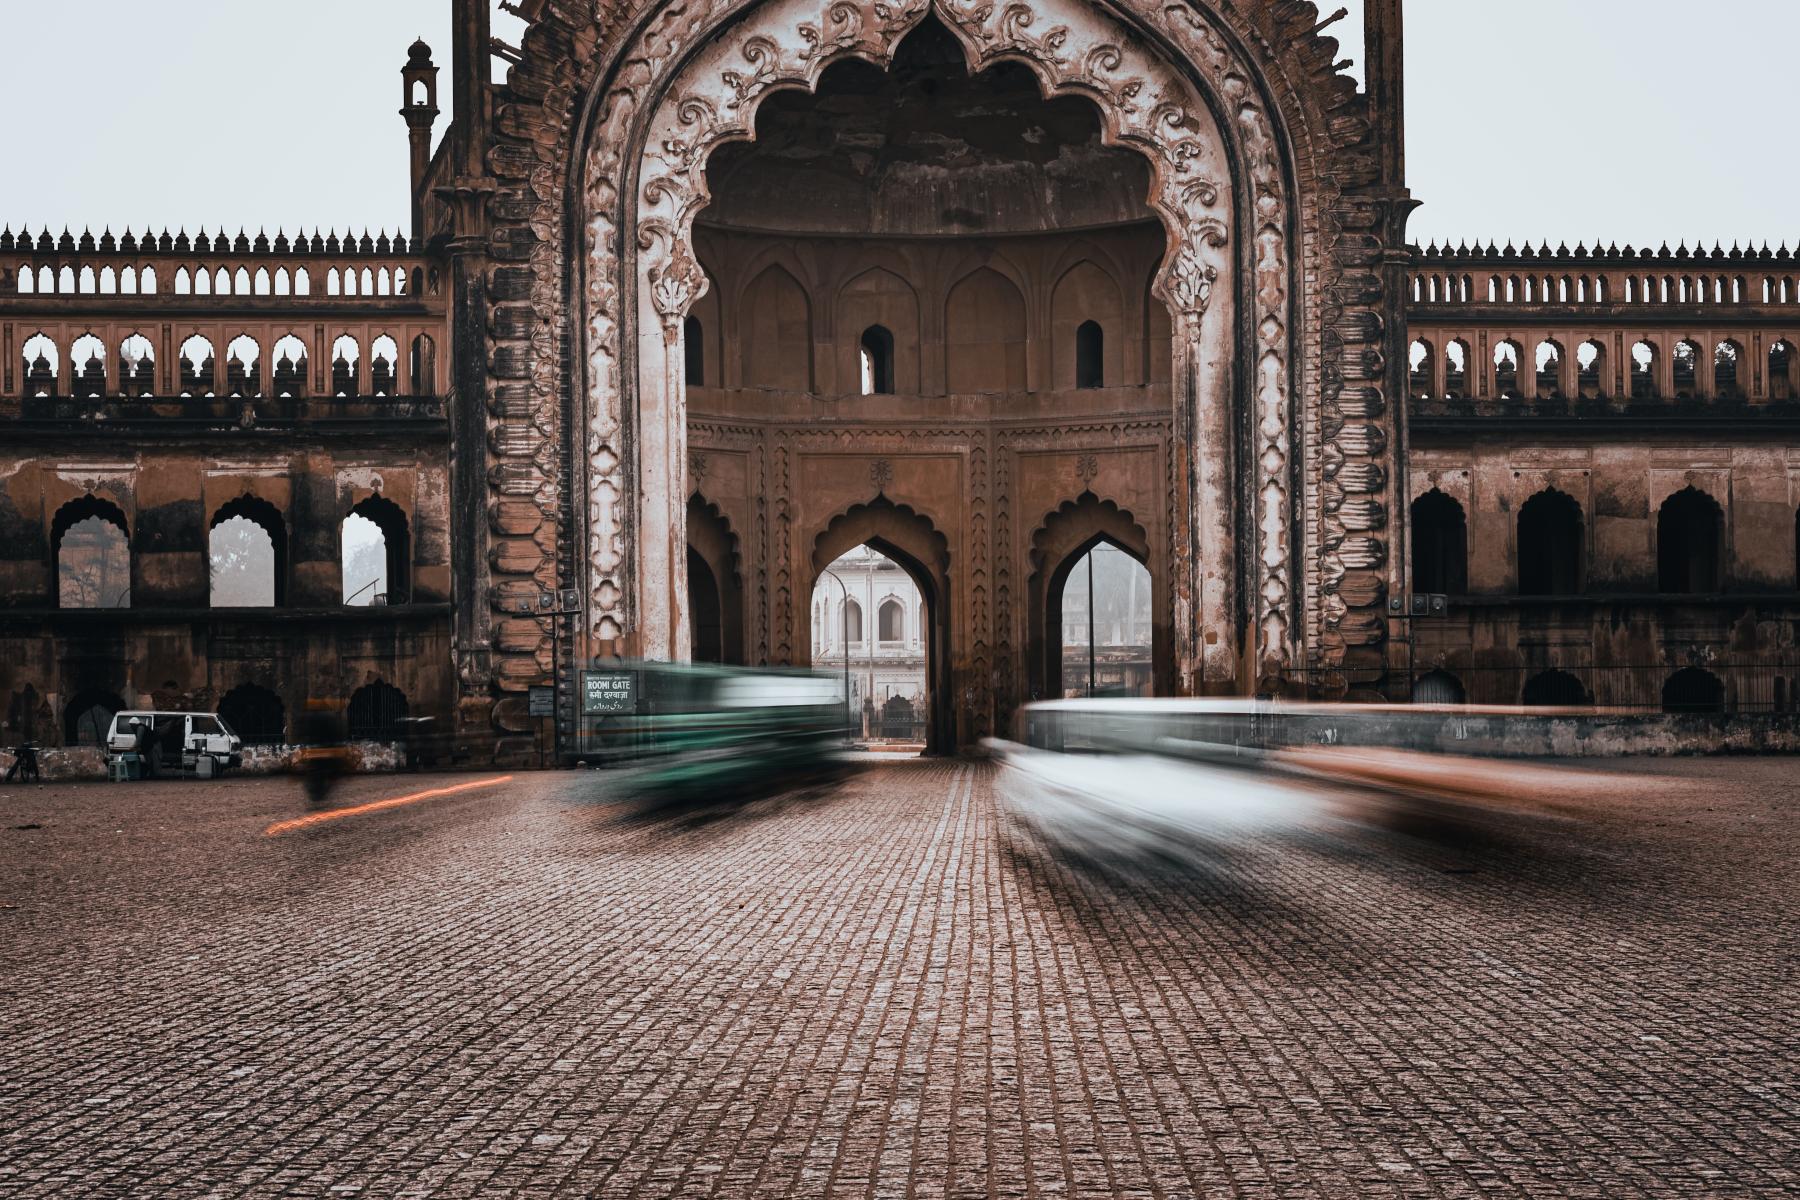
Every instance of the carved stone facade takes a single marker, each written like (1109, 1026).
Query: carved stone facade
(734, 286)
(1251, 438)
(1605, 475)
(746, 283)
(154, 390)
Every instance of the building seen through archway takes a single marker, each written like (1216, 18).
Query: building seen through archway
(1106, 625)
(870, 628)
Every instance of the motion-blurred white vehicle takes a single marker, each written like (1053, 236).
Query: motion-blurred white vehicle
(1134, 807)
(1133, 776)
(195, 743)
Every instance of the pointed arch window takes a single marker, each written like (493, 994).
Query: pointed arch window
(375, 552)
(247, 555)
(1090, 355)
(877, 358)
(693, 344)
(891, 621)
(1440, 540)
(92, 549)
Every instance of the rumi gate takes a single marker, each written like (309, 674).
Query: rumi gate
(708, 293)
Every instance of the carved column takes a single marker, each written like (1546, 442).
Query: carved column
(660, 547)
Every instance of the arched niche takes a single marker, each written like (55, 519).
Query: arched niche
(1221, 190)
(1086, 293)
(878, 298)
(984, 334)
(776, 330)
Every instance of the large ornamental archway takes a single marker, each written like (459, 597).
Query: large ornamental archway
(1261, 485)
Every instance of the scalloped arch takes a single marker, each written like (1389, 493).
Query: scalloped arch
(1087, 516)
(695, 99)
(901, 526)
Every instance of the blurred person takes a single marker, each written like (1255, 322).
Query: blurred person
(25, 765)
(143, 744)
(324, 756)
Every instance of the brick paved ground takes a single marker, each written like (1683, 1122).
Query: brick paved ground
(891, 990)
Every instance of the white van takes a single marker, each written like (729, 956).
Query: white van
(187, 742)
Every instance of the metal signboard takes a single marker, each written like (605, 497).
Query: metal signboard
(605, 692)
(542, 702)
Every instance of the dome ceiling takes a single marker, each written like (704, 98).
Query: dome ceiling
(925, 150)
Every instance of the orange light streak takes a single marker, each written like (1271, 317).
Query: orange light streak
(333, 814)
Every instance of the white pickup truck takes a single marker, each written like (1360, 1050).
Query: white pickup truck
(167, 743)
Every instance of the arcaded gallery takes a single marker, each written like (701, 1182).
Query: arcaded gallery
(1096, 323)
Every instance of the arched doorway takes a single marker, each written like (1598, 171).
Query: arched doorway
(1439, 687)
(1555, 689)
(706, 632)
(1096, 608)
(1226, 280)
(1693, 691)
(1100, 616)
(870, 629)
(88, 715)
(715, 600)
(871, 541)
(376, 712)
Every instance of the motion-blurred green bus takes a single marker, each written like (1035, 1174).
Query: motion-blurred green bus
(691, 733)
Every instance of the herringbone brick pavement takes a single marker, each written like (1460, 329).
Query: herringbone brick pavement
(891, 989)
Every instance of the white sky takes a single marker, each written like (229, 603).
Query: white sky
(1628, 120)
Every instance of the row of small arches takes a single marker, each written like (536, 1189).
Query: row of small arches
(986, 327)
(247, 554)
(1583, 289)
(375, 712)
(133, 372)
(1591, 380)
(875, 357)
(1683, 692)
(217, 281)
(1551, 547)
(890, 623)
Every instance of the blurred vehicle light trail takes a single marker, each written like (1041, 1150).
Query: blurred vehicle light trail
(319, 818)
(1140, 780)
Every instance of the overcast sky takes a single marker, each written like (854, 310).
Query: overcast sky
(1528, 119)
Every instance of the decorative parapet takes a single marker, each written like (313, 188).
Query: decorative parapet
(1698, 277)
(128, 269)
(1600, 329)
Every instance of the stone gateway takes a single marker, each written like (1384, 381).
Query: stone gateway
(706, 295)
(974, 284)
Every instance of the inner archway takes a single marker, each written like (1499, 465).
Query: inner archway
(872, 631)
(715, 600)
(706, 628)
(1100, 615)
(1096, 606)
(1150, 109)
(892, 554)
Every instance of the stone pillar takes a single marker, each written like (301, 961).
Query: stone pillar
(1384, 483)
(466, 405)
